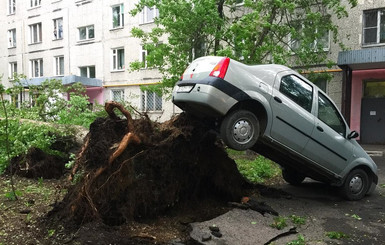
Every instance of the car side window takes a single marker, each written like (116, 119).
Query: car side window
(329, 114)
(298, 91)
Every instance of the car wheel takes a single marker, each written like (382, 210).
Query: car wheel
(356, 185)
(240, 130)
(292, 177)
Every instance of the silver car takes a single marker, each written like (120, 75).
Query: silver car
(278, 113)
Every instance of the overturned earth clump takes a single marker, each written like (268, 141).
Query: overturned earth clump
(37, 164)
(136, 169)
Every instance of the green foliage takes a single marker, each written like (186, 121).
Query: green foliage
(336, 235)
(279, 222)
(71, 162)
(12, 195)
(266, 31)
(258, 169)
(51, 232)
(355, 216)
(23, 136)
(300, 241)
(78, 112)
(298, 220)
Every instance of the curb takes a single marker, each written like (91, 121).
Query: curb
(375, 153)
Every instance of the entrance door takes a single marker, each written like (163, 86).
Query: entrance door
(373, 113)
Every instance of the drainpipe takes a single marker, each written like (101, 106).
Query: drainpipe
(346, 92)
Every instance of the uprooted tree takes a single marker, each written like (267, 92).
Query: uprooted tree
(139, 168)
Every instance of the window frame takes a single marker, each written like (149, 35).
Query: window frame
(58, 65)
(157, 101)
(88, 71)
(58, 32)
(143, 57)
(292, 41)
(120, 16)
(11, 7)
(12, 69)
(12, 38)
(35, 3)
(87, 33)
(377, 27)
(36, 63)
(309, 106)
(37, 27)
(336, 112)
(145, 12)
(116, 59)
(113, 98)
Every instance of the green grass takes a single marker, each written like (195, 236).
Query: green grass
(254, 167)
(336, 235)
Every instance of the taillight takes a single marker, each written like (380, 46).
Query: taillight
(221, 68)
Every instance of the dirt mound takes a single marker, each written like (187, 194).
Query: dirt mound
(36, 164)
(136, 169)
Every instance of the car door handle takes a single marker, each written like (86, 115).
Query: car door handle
(320, 129)
(277, 99)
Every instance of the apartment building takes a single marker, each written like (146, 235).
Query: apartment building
(87, 41)
(363, 70)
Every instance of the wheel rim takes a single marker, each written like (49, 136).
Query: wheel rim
(243, 131)
(356, 184)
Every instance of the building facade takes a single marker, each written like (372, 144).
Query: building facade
(87, 41)
(363, 70)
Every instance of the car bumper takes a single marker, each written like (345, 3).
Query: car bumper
(203, 100)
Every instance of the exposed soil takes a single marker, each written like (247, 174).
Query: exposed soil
(37, 164)
(141, 183)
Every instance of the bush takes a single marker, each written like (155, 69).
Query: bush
(23, 136)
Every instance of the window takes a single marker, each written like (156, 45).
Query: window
(143, 57)
(87, 71)
(59, 65)
(321, 83)
(374, 26)
(117, 16)
(35, 3)
(151, 101)
(322, 41)
(374, 89)
(11, 6)
(12, 38)
(36, 68)
(148, 14)
(86, 32)
(12, 70)
(117, 95)
(58, 28)
(118, 59)
(329, 114)
(36, 33)
(298, 91)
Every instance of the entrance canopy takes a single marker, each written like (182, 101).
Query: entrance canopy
(66, 80)
(363, 59)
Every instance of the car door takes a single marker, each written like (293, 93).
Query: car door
(328, 145)
(291, 104)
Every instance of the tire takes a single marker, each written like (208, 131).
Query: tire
(292, 177)
(356, 185)
(240, 130)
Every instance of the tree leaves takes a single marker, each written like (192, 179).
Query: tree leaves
(292, 32)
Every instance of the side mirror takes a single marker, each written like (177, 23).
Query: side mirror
(353, 135)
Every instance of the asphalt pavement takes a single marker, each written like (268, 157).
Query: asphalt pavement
(325, 213)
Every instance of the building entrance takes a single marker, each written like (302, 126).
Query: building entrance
(373, 113)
